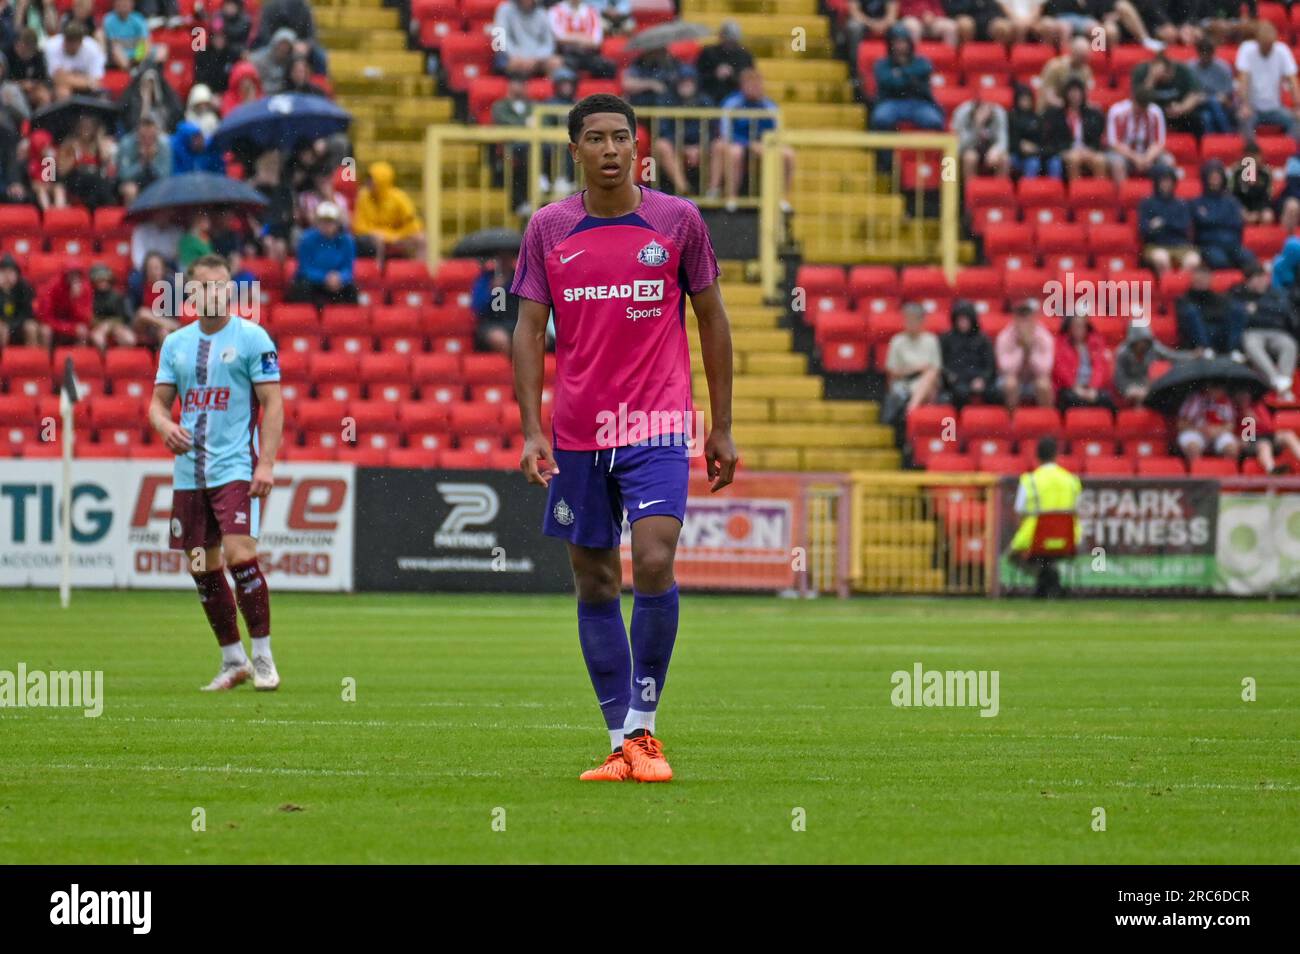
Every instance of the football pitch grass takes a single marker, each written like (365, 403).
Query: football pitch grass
(474, 712)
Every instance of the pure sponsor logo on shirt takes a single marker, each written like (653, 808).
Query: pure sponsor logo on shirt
(566, 260)
(207, 399)
(241, 518)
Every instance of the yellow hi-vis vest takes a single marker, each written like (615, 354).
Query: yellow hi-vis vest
(1048, 489)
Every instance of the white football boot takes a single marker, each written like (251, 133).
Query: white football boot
(265, 678)
(231, 675)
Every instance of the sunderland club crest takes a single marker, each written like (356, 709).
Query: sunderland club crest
(652, 254)
(563, 513)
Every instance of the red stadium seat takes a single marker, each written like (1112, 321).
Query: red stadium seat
(473, 420)
(1030, 423)
(335, 374)
(866, 281)
(375, 424)
(397, 329)
(413, 457)
(387, 377)
(486, 369)
(930, 420)
(1108, 466)
(1161, 467)
(347, 328)
(1213, 467)
(978, 421)
(977, 282)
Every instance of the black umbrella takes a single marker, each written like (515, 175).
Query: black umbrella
(1171, 388)
(488, 242)
(60, 117)
(194, 190)
(666, 34)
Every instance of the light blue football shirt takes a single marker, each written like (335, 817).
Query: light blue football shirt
(214, 377)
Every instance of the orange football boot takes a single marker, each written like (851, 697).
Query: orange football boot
(645, 755)
(613, 769)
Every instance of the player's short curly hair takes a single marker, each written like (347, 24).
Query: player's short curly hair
(599, 103)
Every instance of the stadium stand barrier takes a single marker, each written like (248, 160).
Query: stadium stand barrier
(923, 532)
(877, 189)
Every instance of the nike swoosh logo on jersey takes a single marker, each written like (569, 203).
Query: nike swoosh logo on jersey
(566, 261)
(650, 503)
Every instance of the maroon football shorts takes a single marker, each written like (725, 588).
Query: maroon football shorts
(200, 518)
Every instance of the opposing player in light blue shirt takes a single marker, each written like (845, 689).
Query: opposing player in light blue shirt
(224, 370)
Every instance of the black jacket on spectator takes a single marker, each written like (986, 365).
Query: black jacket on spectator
(1270, 311)
(1214, 309)
(294, 14)
(967, 356)
(16, 304)
(1057, 137)
(1175, 228)
(1216, 214)
(707, 64)
(1022, 125)
(212, 66)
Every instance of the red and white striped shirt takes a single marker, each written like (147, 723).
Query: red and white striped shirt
(1138, 131)
(582, 21)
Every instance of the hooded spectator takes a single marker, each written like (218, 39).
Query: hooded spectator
(1134, 359)
(216, 61)
(1270, 336)
(1208, 321)
(110, 324)
(201, 110)
(1165, 225)
(1025, 138)
(969, 365)
(299, 79)
(1218, 221)
(1252, 185)
(64, 309)
(1082, 367)
(386, 214)
(274, 60)
(17, 301)
(326, 256)
(1285, 265)
(903, 87)
(149, 92)
(190, 152)
(245, 86)
(234, 25)
(1073, 133)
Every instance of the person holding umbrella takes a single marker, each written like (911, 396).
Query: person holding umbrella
(326, 256)
(1206, 422)
(86, 164)
(496, 310)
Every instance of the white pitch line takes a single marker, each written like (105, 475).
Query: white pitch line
(250, 770)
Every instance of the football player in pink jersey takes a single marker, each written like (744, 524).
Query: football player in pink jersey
(616, 263)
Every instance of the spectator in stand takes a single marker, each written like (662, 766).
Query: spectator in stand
(980, 20)
(1165, 225)
(1178, 26)
(981, 128)
(1217, 220)
(514, 109)
(126, 35)
(926, 20)
(1270, 336)
(294, 15)
(1214, 77)
(677, 144)
(1207, 420)
(1171, 85)
(299, 79)
(273, 61)
(1060, 70)
(1263, 67)
(741, 138)
(969, 366)
(1287, 202)
(387, 216)
(495, 309)
(110, 323)
(27, 68)
(721, 64)
(1208, 321)
(579, 33)
(196, 242)
(913, 362)
(276, 226)
(1135, 357)
(616, 14)
(14, 113)
(1025, 135)
(82, 13)
(215, 62)
(244, 87)
(143, 157)
(1260, 435)
(190, 152)
(1025, 21)
(1025, 351)
(234, 25)
(1073, 134)
(528, 45)
(1135, 132)
(43, 171)
(149, 92)
(1081, 18)
(1082, 366)
(326, 256)
(1252, 185)
(85, 164)
(323, 190)
(903, 87)
(63, 309)
(649, 80)
(1285, 267)
(17, 300)
(201, 110)
(864, 18)
(75, 61)
(150, 291)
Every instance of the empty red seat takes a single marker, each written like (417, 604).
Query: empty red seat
(978, 421)
(930, 420)
(375, 423)
(335, 375)
(1213, 467)
(1161, 467)
(412, 457)
(873, 280)
(476, 419)
(486, 369)
(1107, 465)
(386, 376)
(1030, 423)
(347, 327)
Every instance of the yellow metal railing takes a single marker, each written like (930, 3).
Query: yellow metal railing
(922, 532)
(853, 206)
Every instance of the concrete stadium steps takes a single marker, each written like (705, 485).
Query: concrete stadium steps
(804, 386)
(817, 458)
(371, 41)
(693, 9)
(400, 62)
(357, 18)
(826, 71)
(847, 115)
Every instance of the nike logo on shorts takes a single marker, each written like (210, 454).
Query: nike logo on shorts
(650, 503)
(566, 261)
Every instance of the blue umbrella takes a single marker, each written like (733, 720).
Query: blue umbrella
(281, 121)
(194, 190)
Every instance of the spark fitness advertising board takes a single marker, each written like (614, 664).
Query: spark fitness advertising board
(1139, 534)
(120, 516)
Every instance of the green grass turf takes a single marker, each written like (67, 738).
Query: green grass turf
(467, 704)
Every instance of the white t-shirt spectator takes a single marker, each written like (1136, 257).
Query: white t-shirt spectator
(89, 58)
(583, 23)
(1265, 73)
